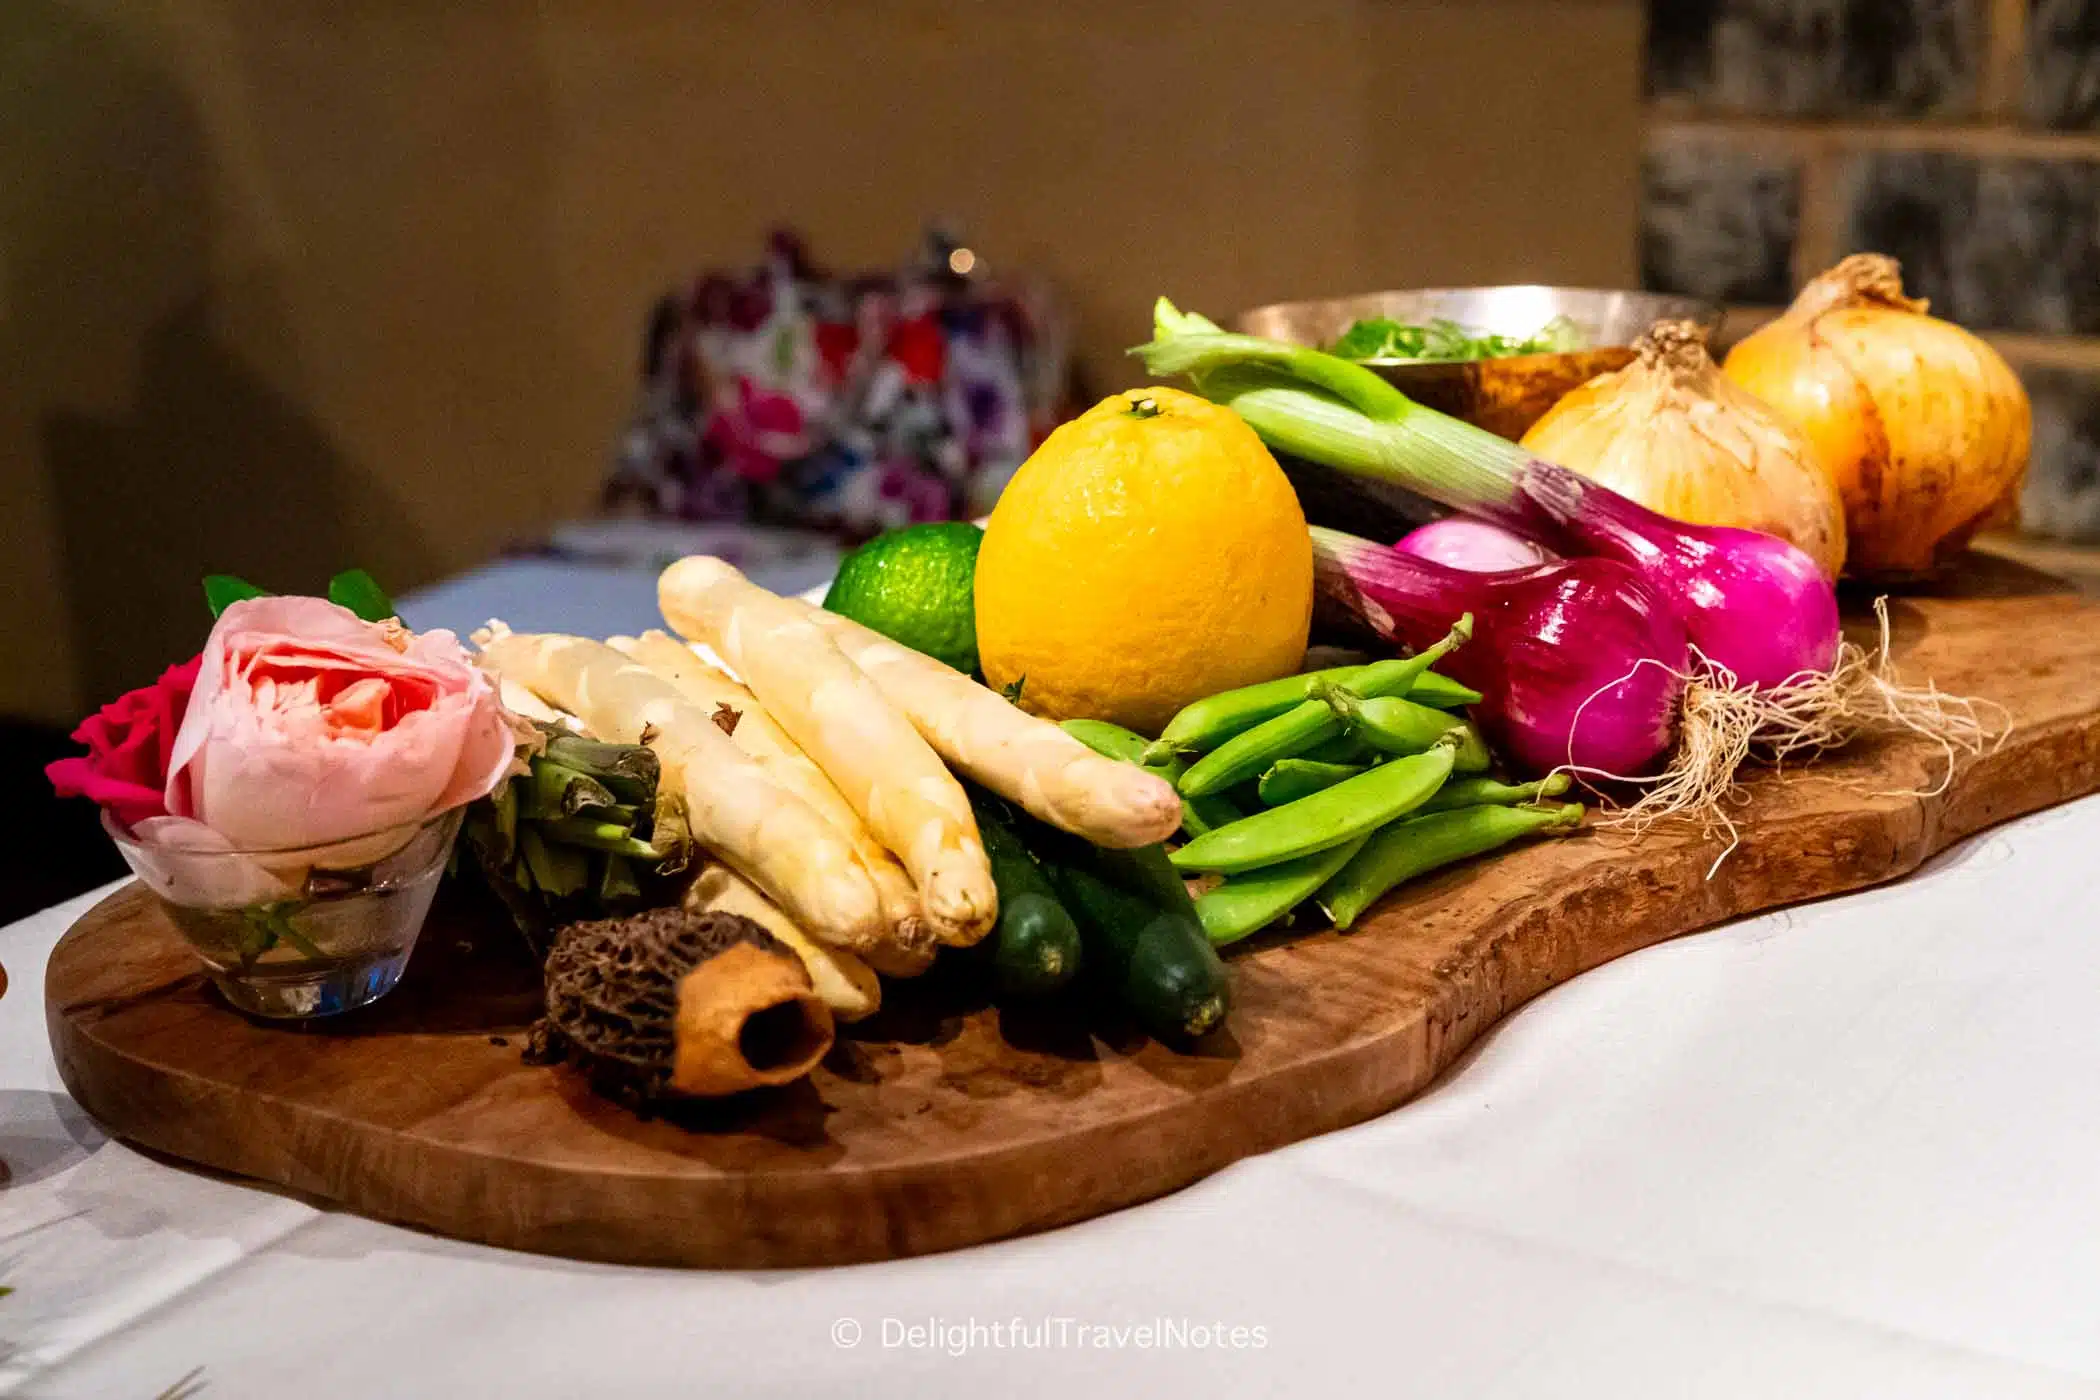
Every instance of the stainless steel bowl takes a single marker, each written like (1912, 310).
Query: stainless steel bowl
(1507, 395)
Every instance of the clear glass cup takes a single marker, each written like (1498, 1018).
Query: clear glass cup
(299, 932)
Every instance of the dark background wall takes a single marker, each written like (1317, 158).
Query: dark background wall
(1961, 136)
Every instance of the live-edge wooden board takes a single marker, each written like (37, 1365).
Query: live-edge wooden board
(945, 1123)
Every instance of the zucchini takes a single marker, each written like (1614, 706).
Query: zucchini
(1139, 928)
(1035, 947)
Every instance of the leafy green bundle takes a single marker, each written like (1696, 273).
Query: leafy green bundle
(1382, 338)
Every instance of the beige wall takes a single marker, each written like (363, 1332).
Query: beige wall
(287, 285)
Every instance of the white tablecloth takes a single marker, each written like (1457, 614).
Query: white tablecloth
(1847, 1150)
(553, 595)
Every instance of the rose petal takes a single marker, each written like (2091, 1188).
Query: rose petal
(358, 709)
(128, 740)
(193, 865)
(128, 801)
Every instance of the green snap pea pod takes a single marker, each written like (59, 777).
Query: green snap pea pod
(1247, 796)
(1108, 740)
(1327, 818)
(1034, 948)
(1247, 903)
(1343, 748)
(1198, 814)
(1293, 778)
(1202, 815)
(1209, 722)
(1486, 792)
(1398, 725)
(1473, 755)
(1252, 752)
(1421, 844)
(1441, 691)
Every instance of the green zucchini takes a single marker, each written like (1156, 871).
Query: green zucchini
(1035, 947)
(1140, 932)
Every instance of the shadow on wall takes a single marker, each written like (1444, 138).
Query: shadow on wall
(168, 455)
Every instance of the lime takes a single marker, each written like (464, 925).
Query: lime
(915, 586)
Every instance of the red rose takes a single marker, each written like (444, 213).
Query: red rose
(126, 766)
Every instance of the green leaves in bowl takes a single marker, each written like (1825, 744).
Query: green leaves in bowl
(1382, 338)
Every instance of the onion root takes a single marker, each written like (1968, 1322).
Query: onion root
(1724, 725)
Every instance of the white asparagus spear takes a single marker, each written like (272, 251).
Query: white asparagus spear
(1015, 754)
(772, 837)
(847, 985)
(520, 701)
(898, 785)
(757, 734)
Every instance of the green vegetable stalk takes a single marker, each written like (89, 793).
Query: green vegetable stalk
(1336, 412)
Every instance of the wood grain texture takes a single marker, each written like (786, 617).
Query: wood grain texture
(944, 1122)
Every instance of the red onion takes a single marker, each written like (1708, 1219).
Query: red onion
(1461, 542)
(1750, 602)
(1580, 663)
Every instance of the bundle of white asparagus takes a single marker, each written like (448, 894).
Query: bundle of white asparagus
(818, 775)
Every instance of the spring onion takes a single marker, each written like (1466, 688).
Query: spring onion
(1579, 663)
(1465, 543)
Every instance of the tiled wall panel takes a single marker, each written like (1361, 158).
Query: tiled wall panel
(1718, 221)
(1818, 57)
(1907, 127)
(2002, 244)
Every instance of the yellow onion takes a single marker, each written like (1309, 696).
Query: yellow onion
(1673, 434)
(1922, 425)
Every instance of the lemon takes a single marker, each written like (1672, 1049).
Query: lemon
(913, 586)
(1150, 553)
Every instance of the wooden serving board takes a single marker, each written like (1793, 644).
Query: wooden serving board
(945, 1122)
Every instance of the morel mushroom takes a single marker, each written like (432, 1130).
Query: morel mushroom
(669, 1003)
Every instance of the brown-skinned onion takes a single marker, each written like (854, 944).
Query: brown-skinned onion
(1922, 425)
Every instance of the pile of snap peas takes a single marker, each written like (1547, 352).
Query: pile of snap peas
(1333, 786)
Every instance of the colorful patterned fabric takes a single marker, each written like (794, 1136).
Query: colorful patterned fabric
(791, 397)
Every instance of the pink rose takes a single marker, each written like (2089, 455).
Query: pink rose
(309, 726)
(129, 740)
